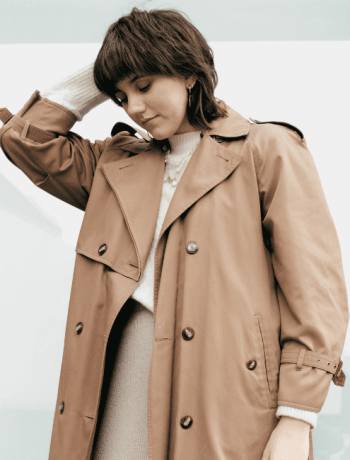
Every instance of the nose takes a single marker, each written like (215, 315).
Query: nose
(136, 106)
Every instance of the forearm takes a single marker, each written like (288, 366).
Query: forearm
(38, 139)
(298, 423)
(77, 92)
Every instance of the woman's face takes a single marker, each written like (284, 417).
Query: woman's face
(157, 103)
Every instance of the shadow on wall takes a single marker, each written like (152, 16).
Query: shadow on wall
(13, 201)
(36, 269)
(331, 437)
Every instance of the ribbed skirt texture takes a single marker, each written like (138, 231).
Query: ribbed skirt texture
(121, 431)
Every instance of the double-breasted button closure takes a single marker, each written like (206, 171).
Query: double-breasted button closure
(192, 247)
(102, 249)
(61, 407)
(79, 328)
(251, 365)
(186, 421)
(188, 333)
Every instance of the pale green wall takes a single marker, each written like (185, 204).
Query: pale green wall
(86, 21)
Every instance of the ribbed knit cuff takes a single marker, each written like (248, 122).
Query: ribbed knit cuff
(307, 416)
(77, 92)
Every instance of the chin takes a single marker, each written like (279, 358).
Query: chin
(160, 138)
(162, 133)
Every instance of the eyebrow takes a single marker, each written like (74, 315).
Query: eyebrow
(117, 90)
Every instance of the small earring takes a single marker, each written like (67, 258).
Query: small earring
(189, 97)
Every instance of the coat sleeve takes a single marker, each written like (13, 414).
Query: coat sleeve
(38, 141)
(307, 264)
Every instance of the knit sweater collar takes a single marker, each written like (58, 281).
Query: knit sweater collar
(182, 144)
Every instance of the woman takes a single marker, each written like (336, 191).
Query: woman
(206, 262)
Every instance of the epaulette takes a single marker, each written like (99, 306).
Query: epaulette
(282, 123)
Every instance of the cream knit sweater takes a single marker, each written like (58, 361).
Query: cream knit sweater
(79, 94)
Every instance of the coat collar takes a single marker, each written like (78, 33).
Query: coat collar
(231, 127)
(137, 180)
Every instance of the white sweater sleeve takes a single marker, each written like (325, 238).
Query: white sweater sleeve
(77, 92)
(307, 416)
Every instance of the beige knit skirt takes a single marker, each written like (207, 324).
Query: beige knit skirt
(121, 431)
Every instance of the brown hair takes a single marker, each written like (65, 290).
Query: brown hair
(160, 42)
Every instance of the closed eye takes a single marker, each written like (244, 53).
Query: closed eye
(121, 99)
(145, 88)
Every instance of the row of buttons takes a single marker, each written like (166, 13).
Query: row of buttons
(191, 248)
(186, 421)
(78, 329)
(188, 334)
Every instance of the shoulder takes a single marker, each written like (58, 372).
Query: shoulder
(278, 124)
(275, 140)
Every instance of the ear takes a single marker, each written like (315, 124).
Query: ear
(190, 81)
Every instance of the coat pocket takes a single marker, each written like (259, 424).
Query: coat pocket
(267, 374)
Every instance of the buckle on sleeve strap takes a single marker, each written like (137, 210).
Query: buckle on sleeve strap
(303, 357)
(339, 376)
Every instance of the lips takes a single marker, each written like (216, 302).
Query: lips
(148, 119)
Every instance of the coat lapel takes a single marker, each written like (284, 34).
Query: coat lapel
(137, 180)
(209, 165)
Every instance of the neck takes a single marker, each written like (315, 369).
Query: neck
(186, 127)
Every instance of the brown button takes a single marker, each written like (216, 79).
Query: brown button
(102, 249)
(79, 328)
(192, 247)
(188, 333)
(251, 365)
(186, 422)
(61, 407)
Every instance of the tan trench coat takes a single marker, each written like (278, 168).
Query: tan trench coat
(264, 294)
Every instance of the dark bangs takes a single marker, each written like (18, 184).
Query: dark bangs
(127, 51)
(159, 42)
